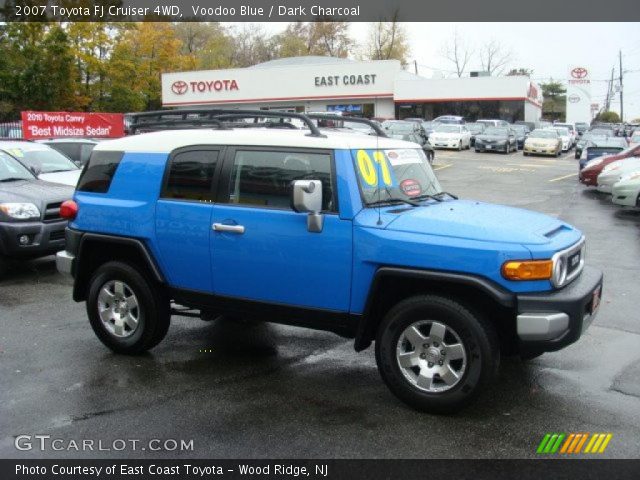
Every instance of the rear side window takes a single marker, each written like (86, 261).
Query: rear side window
(98, 173)
(190, 176)
(71, 150)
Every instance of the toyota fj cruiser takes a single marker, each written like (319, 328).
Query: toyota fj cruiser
(336, 231)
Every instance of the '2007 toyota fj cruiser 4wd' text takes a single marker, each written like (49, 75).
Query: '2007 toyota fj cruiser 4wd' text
(344, 232)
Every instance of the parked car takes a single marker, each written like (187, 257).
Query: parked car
(31, 225)
(450, 136)
(499, 139)
(522, 132)
(582, 128)
(449, 120)
(342, 232)
(475, 129)
(589, 174)
(76, 149)
(43, 161)
(493, 123)
(634, 139)
(586, 139)
(400, 127)
(565, 138)
(573, 133)
(613, 173)
(627, 191)
(543, 142)
(530, 125)
(601, 148)
(426, 146)
(428, 128)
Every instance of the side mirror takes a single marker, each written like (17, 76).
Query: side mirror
(35, 170)
(306, 197)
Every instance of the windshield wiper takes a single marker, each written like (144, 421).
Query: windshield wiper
(393, 200)
(12, 179)
(62, 170)
(426, 196)
(446, 193)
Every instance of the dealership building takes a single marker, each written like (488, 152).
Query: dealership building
(379, 88)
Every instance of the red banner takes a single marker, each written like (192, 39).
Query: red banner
(72, 124)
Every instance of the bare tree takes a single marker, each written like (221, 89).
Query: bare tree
(387, 40)
(457, 52)
(494, 57)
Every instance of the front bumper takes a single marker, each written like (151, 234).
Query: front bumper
(445, 143)
(626, 196)
(539, 150)
(43, 238)
(484, 147)
(605, 187)
(589, 178)
(550, 321)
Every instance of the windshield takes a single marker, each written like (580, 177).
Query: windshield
(394, 175)
(543, 134)
(496, 131)
(562, 131)
(400, 127)
(476, 127)
(448, 129)
(10, 169)
(520, 128)
(45, 159)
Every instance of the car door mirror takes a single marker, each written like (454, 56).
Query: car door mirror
(306, 197)
(35, 170)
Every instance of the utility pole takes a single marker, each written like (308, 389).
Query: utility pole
(621, 103)
(607, 103)
(415, 64)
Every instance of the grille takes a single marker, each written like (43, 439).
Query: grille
(52, 212)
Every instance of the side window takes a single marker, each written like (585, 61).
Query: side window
(85, 152)
(98, 173)
(190, 176)
(69, 149)
(263, 178)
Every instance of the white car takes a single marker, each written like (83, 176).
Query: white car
(572, 131)
(634, 140)
(626, 191)
(565, 136)
(450, 136)
(613, 172)
(43, 161)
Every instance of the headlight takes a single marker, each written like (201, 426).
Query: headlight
(20, 211)
(611, 166)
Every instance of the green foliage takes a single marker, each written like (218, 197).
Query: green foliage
(554, 103)
(608, 117)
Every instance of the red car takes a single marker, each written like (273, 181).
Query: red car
(589, 174)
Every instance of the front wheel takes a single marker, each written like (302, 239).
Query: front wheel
(435, 354)
(460, 146)
(127, 312)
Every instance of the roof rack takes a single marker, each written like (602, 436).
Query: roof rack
(374, 126)
(202, 118)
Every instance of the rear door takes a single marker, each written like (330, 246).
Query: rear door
(183, 216)
(261, 249)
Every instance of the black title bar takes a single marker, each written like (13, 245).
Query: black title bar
(320, 10)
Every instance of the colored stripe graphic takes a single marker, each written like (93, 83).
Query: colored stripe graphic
(573, 443)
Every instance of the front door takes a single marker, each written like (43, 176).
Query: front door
(261, 248)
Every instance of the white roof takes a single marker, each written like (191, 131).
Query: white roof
(168, 140)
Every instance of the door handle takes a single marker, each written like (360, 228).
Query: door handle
(221, 227)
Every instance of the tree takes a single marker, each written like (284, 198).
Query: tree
(494, 57)
(250, 45)
(554, 103)
(607, 117)
(457, 52)
(316, 38)
(387, 40)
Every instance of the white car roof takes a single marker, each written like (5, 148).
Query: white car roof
(22, 145)
(166, 141)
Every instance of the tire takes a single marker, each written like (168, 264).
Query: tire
(477, 150)
(525, 154)
(476, 368)
(460, 146)
(118, 279)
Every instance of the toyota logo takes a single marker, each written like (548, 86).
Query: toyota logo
(574, 98)
(179, 87)
(579, 72)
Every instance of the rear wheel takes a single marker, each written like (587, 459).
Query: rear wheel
(460, 146)
(126, 310)
(434, 354)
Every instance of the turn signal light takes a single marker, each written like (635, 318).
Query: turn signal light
(69, 209)
(528, 270)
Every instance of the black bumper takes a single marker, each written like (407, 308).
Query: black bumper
(44, 238)
(575, 300)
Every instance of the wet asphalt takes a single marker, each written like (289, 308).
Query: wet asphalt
(242, 390)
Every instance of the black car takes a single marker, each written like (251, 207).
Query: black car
(498, 139)
(476, 129)
(412, 137)
(582, 128)
(522, 132)
(30, 221)
(589, 137)
(402, 127)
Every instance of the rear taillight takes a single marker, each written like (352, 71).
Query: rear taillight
(69, 209)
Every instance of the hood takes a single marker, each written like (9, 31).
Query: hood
(34, 191)
(491, 138)
(542, 141)
(479, 221)
(70, 177)
(446, 134)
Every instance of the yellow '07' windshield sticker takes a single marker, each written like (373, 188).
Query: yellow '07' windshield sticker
(373, 169)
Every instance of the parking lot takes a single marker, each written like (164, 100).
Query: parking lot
(247, 390)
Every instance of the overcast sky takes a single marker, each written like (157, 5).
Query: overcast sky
(547, 48)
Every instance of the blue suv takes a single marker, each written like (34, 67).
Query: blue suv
(332, 230)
